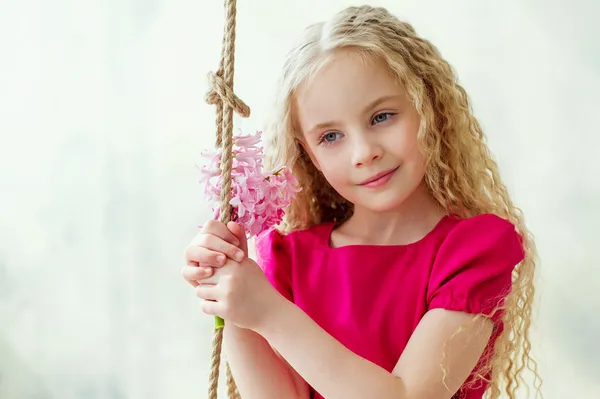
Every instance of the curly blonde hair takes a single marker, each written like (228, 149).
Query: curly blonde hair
(460, 171)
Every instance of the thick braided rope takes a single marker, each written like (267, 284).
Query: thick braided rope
(232, 391)
(222, 96)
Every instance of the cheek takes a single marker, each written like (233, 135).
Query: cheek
(334, 174)
(406, 147)
(415, 159)
(328, 161)
(413, 151)
(407, 144)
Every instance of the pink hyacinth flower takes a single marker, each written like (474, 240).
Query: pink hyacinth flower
(258, 198)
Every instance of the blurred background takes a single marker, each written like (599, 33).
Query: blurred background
(102, 120)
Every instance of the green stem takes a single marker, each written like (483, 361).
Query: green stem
(219, 323)
(279, 170)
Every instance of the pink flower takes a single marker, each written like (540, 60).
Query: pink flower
(247, 141)
(258, 198)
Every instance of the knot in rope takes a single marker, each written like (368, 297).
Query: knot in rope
(220, 92)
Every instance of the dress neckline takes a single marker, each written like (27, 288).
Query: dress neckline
(327, 230)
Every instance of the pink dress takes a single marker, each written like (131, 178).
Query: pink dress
(371, 298)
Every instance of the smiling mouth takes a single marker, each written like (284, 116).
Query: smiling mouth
(379, 179)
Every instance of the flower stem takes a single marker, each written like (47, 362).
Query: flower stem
(219, 323)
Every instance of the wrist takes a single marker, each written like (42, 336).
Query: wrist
(275, 313)
(238, 335)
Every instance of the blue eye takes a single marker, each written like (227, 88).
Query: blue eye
(382, 117)
(330, 137)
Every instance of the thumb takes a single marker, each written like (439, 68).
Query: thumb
(240, 234)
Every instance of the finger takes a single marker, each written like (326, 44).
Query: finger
(212, 308)
(216, 275)
(220, 230)
(192, 274)
(240, 235)
(216, 244)
(199, 255)
(185, 274)
(207, 292)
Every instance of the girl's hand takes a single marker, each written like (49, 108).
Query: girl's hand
(208, 250)
(240, 295)
(237, 291)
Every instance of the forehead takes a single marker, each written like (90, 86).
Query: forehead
(343, 87)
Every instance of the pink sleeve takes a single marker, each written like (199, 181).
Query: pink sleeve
(272, 257)
(473, 268)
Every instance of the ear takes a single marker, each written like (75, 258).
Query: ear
(310, 154)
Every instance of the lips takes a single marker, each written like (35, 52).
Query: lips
(378, 176)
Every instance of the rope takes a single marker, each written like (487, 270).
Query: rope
(221, 95)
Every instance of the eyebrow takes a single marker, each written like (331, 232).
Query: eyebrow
(371, 105)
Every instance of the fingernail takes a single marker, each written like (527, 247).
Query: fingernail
(221, 258)
(239, 256)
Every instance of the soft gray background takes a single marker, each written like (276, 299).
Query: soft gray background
(102, 120)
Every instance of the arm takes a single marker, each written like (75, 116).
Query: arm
(258, 371)
(336, 372)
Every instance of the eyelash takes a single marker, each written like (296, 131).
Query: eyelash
(322, 140)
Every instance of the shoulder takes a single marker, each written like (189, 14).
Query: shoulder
(485, 220)
(481, 234)
(474, 263)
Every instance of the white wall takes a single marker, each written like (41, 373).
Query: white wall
(102, 119)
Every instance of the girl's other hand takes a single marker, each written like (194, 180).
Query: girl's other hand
(208, 250)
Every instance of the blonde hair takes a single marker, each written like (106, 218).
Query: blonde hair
(460, 173)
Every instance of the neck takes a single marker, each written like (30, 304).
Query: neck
(408, 223)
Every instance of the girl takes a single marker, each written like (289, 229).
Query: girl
(403, 269)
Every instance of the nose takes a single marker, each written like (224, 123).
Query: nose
(365, 149)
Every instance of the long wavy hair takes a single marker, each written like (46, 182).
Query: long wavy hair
(461, 174)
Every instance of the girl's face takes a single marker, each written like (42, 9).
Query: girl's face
(360, 130)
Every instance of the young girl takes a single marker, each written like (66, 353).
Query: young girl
(402, 269)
